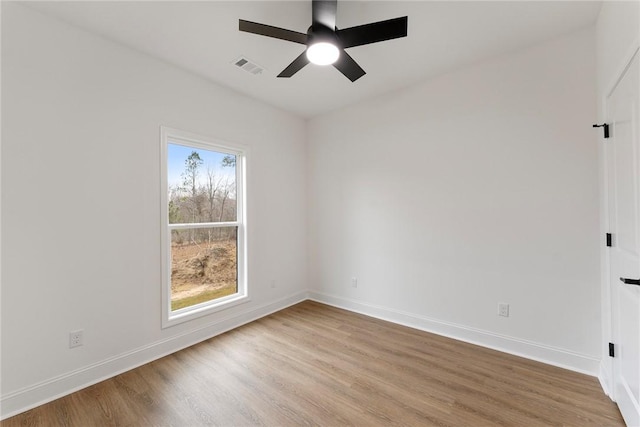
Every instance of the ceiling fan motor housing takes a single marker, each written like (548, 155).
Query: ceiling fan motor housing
(322, 34)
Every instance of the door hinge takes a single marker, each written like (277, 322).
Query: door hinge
(606, 129)
(612, 352)
(609, 240)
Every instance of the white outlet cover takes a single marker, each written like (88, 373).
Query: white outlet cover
(503, 310)
(75, 339)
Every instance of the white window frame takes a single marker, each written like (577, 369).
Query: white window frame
(175, 136)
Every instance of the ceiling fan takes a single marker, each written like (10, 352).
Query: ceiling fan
(325, 43)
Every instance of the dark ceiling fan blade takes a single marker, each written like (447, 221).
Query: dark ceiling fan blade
(269, 31)
(323, 12)
(349, 67)
(372, 33)
(295, 66)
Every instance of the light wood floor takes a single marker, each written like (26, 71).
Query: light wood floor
(312, 364)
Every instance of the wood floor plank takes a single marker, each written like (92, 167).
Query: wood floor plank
(313, 364)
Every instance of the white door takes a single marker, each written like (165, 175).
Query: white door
(623, 188)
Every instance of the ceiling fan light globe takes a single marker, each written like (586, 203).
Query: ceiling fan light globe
(323, 53)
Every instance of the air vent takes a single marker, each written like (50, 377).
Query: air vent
(248, 65)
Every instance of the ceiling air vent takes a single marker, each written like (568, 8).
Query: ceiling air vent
(248, 65)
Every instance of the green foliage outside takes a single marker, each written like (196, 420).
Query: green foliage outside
(202, 297)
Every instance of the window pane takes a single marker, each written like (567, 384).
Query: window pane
(201, 185)
(203, 265)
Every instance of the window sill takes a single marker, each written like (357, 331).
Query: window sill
(189, 313)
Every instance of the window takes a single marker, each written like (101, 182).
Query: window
(203, 226)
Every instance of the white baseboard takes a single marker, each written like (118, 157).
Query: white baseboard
(54, 388)
(543, 353)
(605, 378)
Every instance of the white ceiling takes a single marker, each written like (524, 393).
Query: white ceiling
(203, 37)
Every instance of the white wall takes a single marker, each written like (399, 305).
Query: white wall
(81, 204)
(617, 37)
(474, 188)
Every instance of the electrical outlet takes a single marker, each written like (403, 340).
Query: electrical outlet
(354, 282)
(273, 284)
(75, 338)
(503, 310)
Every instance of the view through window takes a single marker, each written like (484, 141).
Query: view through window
(203, 224)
